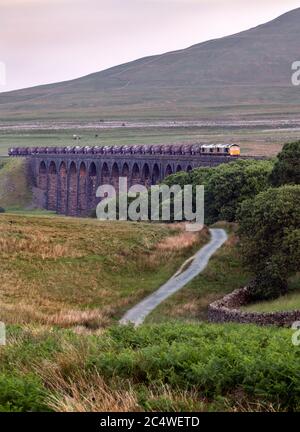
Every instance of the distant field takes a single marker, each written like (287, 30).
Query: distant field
(252, 140)
(68, 272)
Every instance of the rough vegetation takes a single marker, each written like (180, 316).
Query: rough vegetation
(170, 367)
(69, 272)
(15, 189)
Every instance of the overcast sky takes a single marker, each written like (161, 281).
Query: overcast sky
(43, 41)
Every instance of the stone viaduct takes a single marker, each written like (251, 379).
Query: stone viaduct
(66, 179)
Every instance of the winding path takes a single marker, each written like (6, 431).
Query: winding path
(138, 313)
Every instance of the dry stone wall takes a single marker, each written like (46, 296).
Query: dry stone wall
(228, 310)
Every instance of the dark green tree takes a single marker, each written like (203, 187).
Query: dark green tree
(270, 239)
(287, 167)
(231, 184)
(227, 185)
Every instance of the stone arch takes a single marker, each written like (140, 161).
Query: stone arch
(146, 177)
(135, 174)
(125, 171)
(178, 168)
(92, 187)
(42, 176)
(52, 168)
(115, 174)
(105, 175)
(73, 190)
(52, 187)
(62, 189)
(169, 170)
(155, 174)
(82, 189)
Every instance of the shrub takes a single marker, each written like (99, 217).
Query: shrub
(287, 167)
(214, 360)
(231, 184)
(160, 364)
(2, 210)
(270, 238)
(24, 393)
(226, 186)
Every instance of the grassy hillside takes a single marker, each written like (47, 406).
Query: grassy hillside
(247, 73)
(68, 272)
(15, 190)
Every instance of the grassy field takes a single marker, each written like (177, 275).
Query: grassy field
(15, 191)
(291, 301)
(69, 272)
(255, 141)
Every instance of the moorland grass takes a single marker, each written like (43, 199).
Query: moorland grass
(67, 272)
(15, 189)
(173, 367)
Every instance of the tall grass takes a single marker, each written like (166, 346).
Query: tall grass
(170, 367)
(75, 272)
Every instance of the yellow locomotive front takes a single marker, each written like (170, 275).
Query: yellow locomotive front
(234, 150)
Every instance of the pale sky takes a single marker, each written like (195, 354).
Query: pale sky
(44, 41)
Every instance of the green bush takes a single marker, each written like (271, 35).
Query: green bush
(213, 361)
(216, 360)
(270, 239)
(287, 167)
(226, 186)
(2, 210)
(24, 393)
(233, 183)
